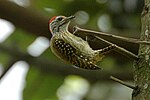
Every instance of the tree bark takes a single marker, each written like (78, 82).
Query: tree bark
(142, 66)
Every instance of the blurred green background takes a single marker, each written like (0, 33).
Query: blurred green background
(48, 78)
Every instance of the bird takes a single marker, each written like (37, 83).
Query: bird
(73, 49)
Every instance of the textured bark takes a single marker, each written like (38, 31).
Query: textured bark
(142, 67)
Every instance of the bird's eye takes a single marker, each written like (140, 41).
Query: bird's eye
(60, 18)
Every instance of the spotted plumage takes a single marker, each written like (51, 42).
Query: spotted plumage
(70, 54)
(73, 49)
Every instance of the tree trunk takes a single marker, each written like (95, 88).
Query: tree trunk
(142, 67)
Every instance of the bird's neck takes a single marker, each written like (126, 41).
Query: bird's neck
(63, 28)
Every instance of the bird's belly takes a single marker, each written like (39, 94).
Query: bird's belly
(69, 54)
(63, 50)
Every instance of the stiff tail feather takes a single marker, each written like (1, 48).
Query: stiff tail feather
(106, 50)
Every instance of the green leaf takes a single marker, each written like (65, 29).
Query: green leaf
(20, 39)
(41, 85)
(4, 58)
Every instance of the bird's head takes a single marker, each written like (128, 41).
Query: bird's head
(58, 23)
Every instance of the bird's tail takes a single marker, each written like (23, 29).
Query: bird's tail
(105, 50)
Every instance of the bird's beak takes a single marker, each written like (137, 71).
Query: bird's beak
(67, 19)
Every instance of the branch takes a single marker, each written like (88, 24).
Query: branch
(121, 50)
(91, 32)
(123, 83)
(37, 24)
(28, 19)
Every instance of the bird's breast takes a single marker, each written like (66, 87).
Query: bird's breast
(62, 49)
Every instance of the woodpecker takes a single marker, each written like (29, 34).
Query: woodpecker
(71, 48)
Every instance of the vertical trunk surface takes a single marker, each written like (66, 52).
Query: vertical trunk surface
(142, 67)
